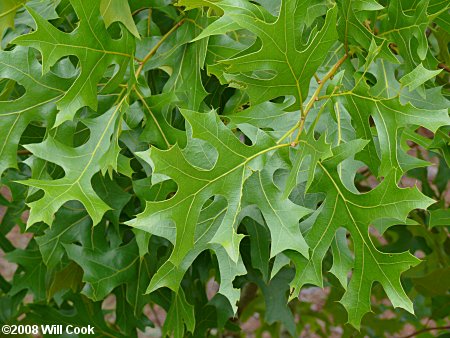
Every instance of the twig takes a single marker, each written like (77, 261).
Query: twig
(427, 329)
(317, 78)
(315, 96)
(444, 67)
(156, 47)
(301, 123)
(137, 11)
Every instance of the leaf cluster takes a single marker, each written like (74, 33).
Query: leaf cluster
(156, 152)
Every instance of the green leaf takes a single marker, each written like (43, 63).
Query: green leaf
(367, 5)
(71, 225)
(196, 186)
(37, 104)
(222, 25)
(279, 67)
(266, 115)
(431, 284)
(275, 296)
(181, 214)
(177, 58)
(441, 143)
(383, 224)
(157, 130)
(112, 193)
(181, 314)
(408, 32)
(260, 246)
(80, 165)
(186, 80)
(8, 9)
(305, 158)
(355, 212)
(91, 43)
(24, 21)
(418, 76)
(281, 215)
(31, 275)
(389, 116)
(342, 257)
(353, 32)
(439, 217)
(153, 137)
(135, 289)
(118, 11)
(104, 270)
(65, 279)
(79, 312)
